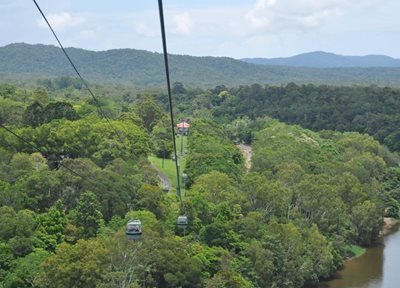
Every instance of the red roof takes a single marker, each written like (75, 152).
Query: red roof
(183, 125)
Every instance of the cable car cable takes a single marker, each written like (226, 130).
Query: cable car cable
(96, 101)
(162, 24)
(164, 43)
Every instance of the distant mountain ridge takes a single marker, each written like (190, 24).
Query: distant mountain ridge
(320, 59)
(24, 62)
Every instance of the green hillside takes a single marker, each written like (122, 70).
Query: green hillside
(143, 68)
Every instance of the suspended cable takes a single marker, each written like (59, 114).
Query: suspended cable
(96, 101)
(41, 151)
(164, 42)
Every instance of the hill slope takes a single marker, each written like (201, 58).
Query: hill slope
(320, 59)
(143, 68)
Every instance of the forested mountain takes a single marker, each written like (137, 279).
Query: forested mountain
(320, 59)
(21, 62)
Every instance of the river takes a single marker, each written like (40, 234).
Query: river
(379, 267)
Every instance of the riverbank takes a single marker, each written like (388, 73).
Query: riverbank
(357, 251)
(389, 224)
(377, 268)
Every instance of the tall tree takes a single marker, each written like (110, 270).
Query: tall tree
(149, 111)
(88, 216)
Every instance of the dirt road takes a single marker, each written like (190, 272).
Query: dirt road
(247, 153)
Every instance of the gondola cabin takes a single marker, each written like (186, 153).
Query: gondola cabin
(182, 221)
(165, 187)
(133, 230)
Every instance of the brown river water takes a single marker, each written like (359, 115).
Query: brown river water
(379, 267)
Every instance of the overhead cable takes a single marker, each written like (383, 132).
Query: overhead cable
(164, 43)
(96, 101)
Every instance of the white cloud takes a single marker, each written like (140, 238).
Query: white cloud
(263, 4)
(183, 24)
(265, 28)
(88, 34)
(145, 30)
(61, 21)
(278, 15)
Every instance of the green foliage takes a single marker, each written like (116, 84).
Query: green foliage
(273, 199)
(6, 259)
(216, 187)
(88, 216)
(228, 279)
(365, 109)
(367, 217)
(161, 139)
(174, 267)
(33, 188)
(26, 270)
(210, 257)
(151, 198)
(79, 265)
(260, 264)
(210, 149)
(33, 114)
(7, 90)
(240, 129)
(7, 225)
(217, 234)
(51, 226)
(59, 110)
(12, 224)
(150, 112)
(21, 246)
(11, 112)
(357, 251)
(20, 165)
(85, 138)
(279, 143)
(320, 204)
(321, 252)
(289, 255)
(36, 115)
(287, 223)
(391, 198)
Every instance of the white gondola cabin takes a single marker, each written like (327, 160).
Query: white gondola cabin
(182, 221)
(133, 230)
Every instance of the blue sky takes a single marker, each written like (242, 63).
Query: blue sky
(234, 28)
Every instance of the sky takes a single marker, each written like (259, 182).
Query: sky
(232, 28)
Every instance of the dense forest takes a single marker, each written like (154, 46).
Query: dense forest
(370, 109)
(23, 63)
(70, 179)
(365, 109)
